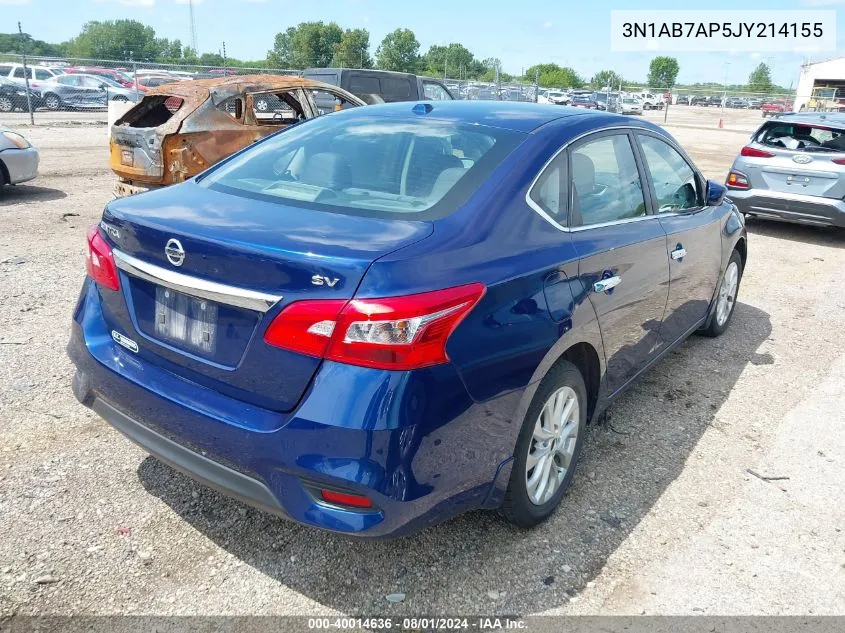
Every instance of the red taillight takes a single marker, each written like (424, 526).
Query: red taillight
(839, 161)
(99, 262)
(737, 180)
(754, 152)
(345, 499)
(397, 333)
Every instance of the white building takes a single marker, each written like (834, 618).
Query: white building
(828, 74)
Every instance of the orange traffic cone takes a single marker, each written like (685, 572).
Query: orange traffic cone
(721, 125)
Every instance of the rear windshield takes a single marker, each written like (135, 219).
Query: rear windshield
(802, 137)
(369, 166)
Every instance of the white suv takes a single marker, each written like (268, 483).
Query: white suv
(37, 74)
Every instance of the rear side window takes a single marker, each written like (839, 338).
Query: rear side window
(549, 193)
(369, 165)
(605, 182)
(802, 137)
(43, 74)
(364, 85)
(674, 181)
(5, 70)
(395, 89)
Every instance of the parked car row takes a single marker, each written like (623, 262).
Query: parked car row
(64, 88)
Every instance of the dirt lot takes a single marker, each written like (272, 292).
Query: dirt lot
(665, 515)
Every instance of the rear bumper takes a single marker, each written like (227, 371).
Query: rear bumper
(791, 207)
(204, 470)
(124, 189)
(417, 446)
(22, 164)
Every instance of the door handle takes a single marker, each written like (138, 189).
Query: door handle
(607, 284)
(679, 253)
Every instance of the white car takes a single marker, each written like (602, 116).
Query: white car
(18, 158)
(631, 105)
(558, 97)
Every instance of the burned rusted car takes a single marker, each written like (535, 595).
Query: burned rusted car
(179, 129)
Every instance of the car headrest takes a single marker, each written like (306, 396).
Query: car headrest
(583, 174)
(325, 169)
(445, 181)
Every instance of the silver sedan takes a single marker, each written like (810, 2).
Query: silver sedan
(18, 158)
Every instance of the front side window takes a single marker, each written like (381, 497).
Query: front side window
(605, 182)
(18, 73)
(369, 165)
(674, 181)
(43, 75)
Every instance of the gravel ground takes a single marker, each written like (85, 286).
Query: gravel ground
(663, 517)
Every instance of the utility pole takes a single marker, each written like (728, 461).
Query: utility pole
(445, 63)
(26, 77)
(224, 54)
(193, 26)
(362, 58)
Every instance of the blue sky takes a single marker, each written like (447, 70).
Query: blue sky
(520, 33)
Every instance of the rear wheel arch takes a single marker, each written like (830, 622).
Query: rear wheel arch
(742, 248)
(586, 358)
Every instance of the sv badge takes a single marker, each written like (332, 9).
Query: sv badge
(320, 280)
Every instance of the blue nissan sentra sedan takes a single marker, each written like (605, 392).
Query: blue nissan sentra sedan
(386, 316)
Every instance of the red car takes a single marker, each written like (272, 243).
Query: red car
(124, 80)
(583, 101)
(771, 108)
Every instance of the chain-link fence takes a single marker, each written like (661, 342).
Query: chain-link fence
(61, 88)
(42, 85)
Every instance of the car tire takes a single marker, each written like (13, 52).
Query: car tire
(725, 302)
(52, 101)
(557, 442)
(6, 104)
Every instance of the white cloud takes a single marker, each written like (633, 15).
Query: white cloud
(547, 25)
(15, 1)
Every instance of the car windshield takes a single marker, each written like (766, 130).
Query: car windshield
(371, 166)
(802, 137)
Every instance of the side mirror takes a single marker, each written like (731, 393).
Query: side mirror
(715, 193)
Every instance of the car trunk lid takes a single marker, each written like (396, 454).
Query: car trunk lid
(242, 261)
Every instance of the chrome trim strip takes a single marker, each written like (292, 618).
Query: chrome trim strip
(220, 293)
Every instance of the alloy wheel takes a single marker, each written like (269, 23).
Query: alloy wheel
(727, 294)
(552, 445)
(6, 104)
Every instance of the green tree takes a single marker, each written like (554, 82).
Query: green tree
(116, 39)
(189, 56)
(399, 50)
(554, 76)
(605, 78)
(455, 60)
(15, 43)
(760, 79)
(662, 73)
(211, 59)
(309, 44)
(353, 50)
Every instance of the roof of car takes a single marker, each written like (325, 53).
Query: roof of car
(812, 118)
(224, 86)
(513, 115)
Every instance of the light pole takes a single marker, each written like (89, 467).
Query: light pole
(725, 98)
